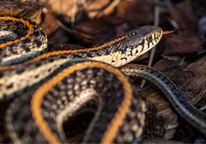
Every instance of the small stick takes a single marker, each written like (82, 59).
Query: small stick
(156, 23)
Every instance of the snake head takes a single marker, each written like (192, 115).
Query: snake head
(129, 46)
(135, 43)
(143, 38)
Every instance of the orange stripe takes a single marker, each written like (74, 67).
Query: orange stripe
(30, 26)
(116, 122)
(59, 52)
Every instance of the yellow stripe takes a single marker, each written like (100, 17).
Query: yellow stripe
(116, 122)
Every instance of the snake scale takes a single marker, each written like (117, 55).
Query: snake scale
(51, 87)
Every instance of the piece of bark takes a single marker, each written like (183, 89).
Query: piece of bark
(137, 11)
(49, 25)
(23, 9)
(181, 45)
(161, 121)
(194, 89)
(173, 70)
(79, 11)
(67, 8)
(99, 8)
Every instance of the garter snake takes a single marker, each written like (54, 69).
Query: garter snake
(52, 87)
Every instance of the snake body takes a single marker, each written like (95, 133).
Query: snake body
(55, 85)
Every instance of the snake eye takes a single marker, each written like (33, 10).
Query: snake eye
(149, 38)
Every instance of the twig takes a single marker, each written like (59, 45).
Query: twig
(156, 23)
(73, 12)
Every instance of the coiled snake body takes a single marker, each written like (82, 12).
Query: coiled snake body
(53, 86)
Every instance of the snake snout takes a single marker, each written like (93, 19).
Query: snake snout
(150, 30)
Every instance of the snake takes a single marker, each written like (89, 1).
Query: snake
(48, 88)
